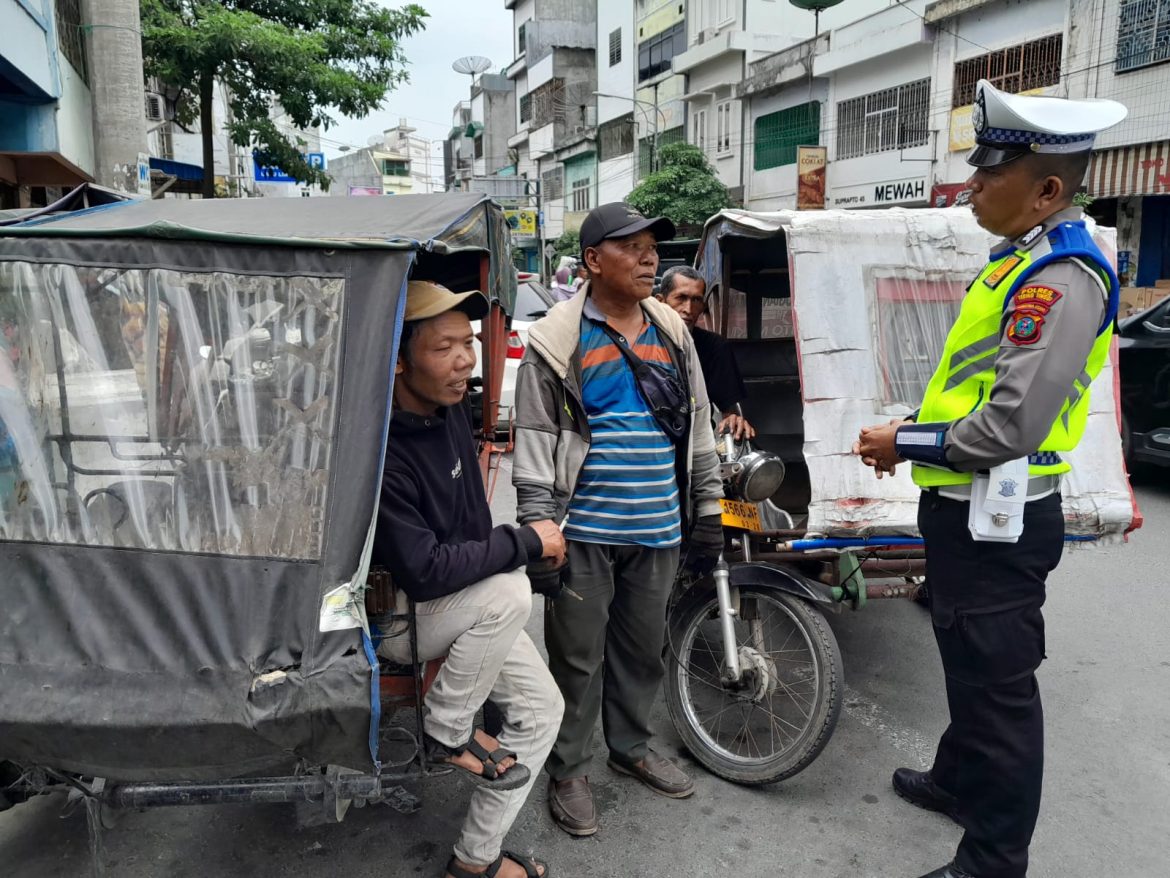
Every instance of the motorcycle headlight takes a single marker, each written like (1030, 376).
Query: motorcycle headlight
(754, 476)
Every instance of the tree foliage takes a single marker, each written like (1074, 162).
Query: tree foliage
(568, 244)
(309, 57)
(684, 189)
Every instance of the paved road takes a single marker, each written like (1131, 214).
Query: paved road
(1107, 692)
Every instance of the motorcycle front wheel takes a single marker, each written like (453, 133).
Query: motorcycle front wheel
(776, 719)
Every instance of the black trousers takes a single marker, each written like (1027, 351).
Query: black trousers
(985, 606)
(605, 650)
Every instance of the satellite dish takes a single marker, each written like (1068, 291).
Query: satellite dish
(375, 140)
(472, 65)
(816, 7)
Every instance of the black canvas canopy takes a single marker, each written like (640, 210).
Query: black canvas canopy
(193, 406)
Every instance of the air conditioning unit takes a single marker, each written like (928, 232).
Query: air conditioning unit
(706, 34)
(155, 107)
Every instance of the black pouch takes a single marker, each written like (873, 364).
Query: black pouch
(666, 395)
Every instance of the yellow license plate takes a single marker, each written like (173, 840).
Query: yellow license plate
(745, 516)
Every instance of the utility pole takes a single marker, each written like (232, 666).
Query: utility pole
(114, 43)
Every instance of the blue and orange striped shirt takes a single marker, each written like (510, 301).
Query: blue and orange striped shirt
(627, 493)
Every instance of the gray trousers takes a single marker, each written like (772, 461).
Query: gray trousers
(489, 655)
(605, 650)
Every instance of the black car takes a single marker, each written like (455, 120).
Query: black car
(1144, 346)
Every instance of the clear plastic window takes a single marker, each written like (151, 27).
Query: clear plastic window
(166, 410)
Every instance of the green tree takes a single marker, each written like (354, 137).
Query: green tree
(684, 189)
(568, 244)
(308, 56)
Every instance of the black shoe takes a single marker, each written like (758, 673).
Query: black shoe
(950, 870)
(917, 788)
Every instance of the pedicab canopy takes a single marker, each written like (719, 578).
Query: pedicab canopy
(837, 319)
(194, 398)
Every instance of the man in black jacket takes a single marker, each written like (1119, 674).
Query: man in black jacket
(472, 597)
(685, 290)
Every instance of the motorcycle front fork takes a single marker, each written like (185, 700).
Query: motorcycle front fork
(729, 610)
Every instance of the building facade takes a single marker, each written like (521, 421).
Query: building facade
(46, 106)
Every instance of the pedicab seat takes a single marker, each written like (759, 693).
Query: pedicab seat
(393, 615)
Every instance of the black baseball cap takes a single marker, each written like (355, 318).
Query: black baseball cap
(619, 220)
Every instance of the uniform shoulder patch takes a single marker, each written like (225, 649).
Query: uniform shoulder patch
(1030, 306)
(1036, 297)
(1024, 328)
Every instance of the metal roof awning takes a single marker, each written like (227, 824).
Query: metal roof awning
(1131, 170)
(40, 169)
(183, 170)
(474, 129)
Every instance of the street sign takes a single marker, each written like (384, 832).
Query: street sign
(273, 174)
(143, 174)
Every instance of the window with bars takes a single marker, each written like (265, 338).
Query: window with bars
(777, 135)
(723, 117)
(615, 47)
(546, 104)
(1029, 65)
(656, 53)
(525, 108)
(1143, 34)
(893, 118)
(580, 194)
(699, 129)
(479, 147)
(552, 184)
(395, 168)
(615, 138)
(70, 37)
(521, 38)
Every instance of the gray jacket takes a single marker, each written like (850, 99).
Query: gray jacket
(551, 428)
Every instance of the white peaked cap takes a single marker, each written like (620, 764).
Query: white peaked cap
(1008, 126)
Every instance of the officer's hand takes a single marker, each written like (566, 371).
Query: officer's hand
(552, 541)
(705, 544)
(737, 426)
(876, 447)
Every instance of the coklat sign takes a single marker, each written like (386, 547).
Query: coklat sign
(884, 194)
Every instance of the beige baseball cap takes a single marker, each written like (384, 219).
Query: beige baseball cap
(425, 299)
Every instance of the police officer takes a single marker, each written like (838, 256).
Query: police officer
(1008, 399)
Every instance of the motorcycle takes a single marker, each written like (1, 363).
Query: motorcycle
(755, 678)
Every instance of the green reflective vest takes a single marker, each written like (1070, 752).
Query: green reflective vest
(966, 371)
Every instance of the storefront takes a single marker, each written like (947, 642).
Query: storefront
(1131, 191)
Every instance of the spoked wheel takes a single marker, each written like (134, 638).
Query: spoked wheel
(778, 717)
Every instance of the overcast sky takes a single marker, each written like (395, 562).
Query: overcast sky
(455, 28)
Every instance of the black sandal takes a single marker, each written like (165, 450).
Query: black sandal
(529, 864)
(489, 775)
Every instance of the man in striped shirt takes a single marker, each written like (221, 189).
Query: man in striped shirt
(592, 453)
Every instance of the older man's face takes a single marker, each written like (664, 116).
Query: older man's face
(686, 297)
(624, 266)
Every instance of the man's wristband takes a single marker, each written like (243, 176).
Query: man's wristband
(923, 443)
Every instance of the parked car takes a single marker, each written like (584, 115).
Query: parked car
(533, 300)
(1144, 348)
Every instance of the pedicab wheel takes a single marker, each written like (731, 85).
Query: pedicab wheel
(779, 716)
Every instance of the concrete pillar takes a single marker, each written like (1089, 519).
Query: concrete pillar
(114, 44)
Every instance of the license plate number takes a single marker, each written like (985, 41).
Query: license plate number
(745, 516)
